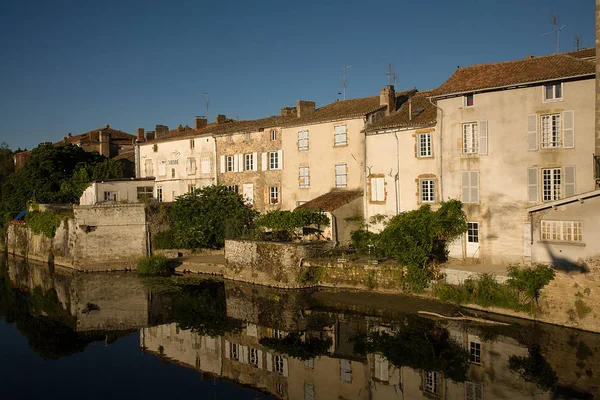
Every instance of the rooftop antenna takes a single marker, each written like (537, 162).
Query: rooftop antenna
(206, 101)
(345, 83)
(557, 30)
(577, 42)
(391, 74)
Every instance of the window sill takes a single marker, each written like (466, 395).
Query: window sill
(552, 100)
(381, 202)
(303, 149)
(424, 157)
(563, 242)
(340, 145)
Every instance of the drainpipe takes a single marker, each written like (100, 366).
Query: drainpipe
(397, 179)
(216, 162)
(137, 159)
(365, 199)
(441, 148)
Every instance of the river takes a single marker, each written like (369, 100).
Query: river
(65, 334)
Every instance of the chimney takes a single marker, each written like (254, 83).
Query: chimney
(161, 131)
(104, 144)
(287, 111)
(69, 135)
(140, 134)
(221, 119)
(200, 122)
(387, 97)
(305, 108)
(150, 135)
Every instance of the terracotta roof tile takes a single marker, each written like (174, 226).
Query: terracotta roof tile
(584, 54)
(126, 155)
(422, 113)
(495, 75)
(85, 137)
(332, 200)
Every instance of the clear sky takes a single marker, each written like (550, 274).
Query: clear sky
(74, 66)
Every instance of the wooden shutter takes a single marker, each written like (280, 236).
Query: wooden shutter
(570, 181)
(532, 132)
(279, 159)
(568, 129)
(474, 187)
(269, 362)
(227, 349)
(266, 195)
(241, 162)
(465, 192)
(244, 354)
(286, 370)
(373, 189)
(259, 354)
(254, 161)
(222, 164)
(483, 138)
(236, 163)
(264, 162)
(532, 185)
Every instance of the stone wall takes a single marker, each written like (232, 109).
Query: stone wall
(103, 237)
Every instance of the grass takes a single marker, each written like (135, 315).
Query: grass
(582, 309)
(155, 265)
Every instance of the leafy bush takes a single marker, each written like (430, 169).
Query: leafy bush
(417, 277)
(155, 265)
(164, 240)
(45, 222)
(290, 221)
(364, 242)
(534, 368)
(530, 281)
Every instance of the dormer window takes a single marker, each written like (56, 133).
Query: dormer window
(553, 92)
(468, 100)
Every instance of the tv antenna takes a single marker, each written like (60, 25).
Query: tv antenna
(206, 102)
(391, 74)
(557, 30)
(577, 41)
(345, 82)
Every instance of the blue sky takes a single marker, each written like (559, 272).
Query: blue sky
(74, 66)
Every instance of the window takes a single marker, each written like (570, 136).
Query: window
(382, 368)
(191, 189)
(310, 363)
(159, 194)
(254, 357)
(551, 180)
(427, 190)
(248, 162)
(172, 172)
(470, 138)
(230, 166)
(278, 364)
(475, 352)
(144, 192)
(192, 144)
(340, 135)
(472, 232)
(234, 351)
(309, 392)
(431, 383)
(468, 100)
(377, 189)
(191, 166)
(345, 371)
(303, 140)
(148, 168)
(470, 187)
(155, 147)
(567, 231)
(551, 131)
(162, 169)
(274, 160)
(233, 188)
(303, 177)
(110, 196)
(553, 92)
(340, 175)
(277, 333)
(273, 134)
(273, 195)
(473, 391)
(424, 145)
(205, 165)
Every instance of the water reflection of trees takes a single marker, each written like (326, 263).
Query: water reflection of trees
(296, 345)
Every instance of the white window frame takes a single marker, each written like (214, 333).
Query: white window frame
(470, 138)
(234, 351)
(561, 231)
(159, 194)
(551, 131)
(424, 145)
(552, 182)
(145, 192)
(253, 357)
(229, 163)
(111, 195)
(303, 140)
(340, 135)
(191, 189)
(273, 195)
(274, 160)
(473, 391)
(553, 88)
(341, 176)
(475, 352)
(431, 382)
(273, 135)
(303, 177)
(472, 232)
(192, 144)
(190, 166)
(427, 190)
(278, 362)
(249, 162)
(466, 100)
(232, 188)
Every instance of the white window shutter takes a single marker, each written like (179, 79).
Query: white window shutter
(483, 138)
(240, 162)
(532, 185)
(465, 192)
(269, 362)
(236, 163)
(264, 162)
(222, 164)
(254, 161)
(570, 181)
(380, 189)
(474, 186)
(244, 354)
(227, 349)
(259, 354)
(286, 370)
(532, 132)
(280, 159)
(373, 189)
(568, 130)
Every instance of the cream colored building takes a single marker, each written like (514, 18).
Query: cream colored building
(118, 191)
(513, 135)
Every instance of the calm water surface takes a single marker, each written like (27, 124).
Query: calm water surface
(97, 336)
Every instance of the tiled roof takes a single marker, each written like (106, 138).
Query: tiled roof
(126, 155)
(584, 54)
(85, 137)
(332, 200)
(421, 110)
(345, 109)
(496, 75)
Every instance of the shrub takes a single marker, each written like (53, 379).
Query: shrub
(155, 265)
(530, 281)
(164, 240)
(45, 222)
(288, 222)
(364, 242)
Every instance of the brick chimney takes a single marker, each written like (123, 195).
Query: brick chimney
(387, 97)
(286, 111)
(150, 135)
(140, 134)
(305, 108)
(70, 135)
(161, 131)
(221, 119)
(104, 144)
(200, 122)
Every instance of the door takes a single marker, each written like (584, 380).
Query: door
(248, 193)
(473, 239)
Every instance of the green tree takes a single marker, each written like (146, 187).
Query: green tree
(290, 221)
(201, 219)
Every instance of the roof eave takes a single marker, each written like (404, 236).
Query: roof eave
(572, 199)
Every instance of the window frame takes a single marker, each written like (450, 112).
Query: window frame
(379, 180)
(466, 98)
(430, 189)
(229, 163)
(427, 145)
(192, 144)
(278, 362)
(274, 160)
(303, 142)
(248, 162)
(274, 195)
(338, 177)
(234, 351)
(561, 231)
(340, 138)
(554, 97)
(147, 192)
(273, 135)
(555, 189)
(303, 179)
(433, 386)
(555, 131)
(472, 231)
(159, 194)
(253, 357)
(471, 146)
(475, 352)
